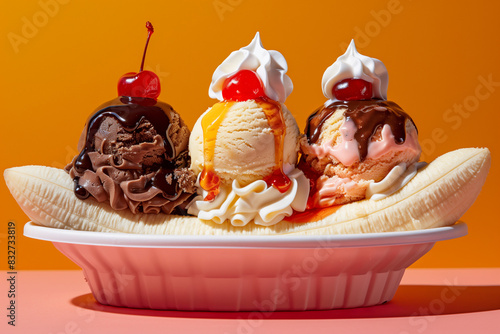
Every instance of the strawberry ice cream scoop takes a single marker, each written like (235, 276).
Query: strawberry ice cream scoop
(350, 145)
(357, 141)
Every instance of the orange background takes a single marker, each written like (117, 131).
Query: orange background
(61, 59)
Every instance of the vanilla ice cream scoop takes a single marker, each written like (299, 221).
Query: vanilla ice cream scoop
(244, 148)
(252, 155)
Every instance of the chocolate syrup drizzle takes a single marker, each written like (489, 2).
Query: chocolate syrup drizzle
(368, 116)
(129, 112)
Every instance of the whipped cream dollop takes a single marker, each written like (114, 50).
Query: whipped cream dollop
(269, 65)
(257, 202)
(353, 65)
(398, 177)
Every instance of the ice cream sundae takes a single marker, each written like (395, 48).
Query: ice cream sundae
(133, 150)
(358, 144)
(245, 147)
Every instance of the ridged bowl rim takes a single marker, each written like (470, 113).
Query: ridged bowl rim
(32, 230)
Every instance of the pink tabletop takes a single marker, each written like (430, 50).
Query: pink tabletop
(428, 301)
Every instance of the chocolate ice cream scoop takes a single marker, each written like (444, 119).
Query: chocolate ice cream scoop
(133, 153)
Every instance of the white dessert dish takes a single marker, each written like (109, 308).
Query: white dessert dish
(243, 273)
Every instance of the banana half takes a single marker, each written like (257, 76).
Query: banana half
(437, 196)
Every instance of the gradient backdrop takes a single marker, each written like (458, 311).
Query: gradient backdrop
(61, 59)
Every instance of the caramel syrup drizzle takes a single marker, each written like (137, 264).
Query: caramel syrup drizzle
(274, 115)
(211, 122)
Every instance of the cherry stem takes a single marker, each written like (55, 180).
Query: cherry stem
(150, 32)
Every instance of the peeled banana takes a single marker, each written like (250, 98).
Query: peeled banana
(438, 195)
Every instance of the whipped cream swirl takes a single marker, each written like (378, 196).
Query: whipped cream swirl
(257, 202)
(398, 177)
(270, 66)
(354, 65)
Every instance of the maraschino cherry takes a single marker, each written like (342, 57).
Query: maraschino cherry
(143, 84)
(244, 85)
(353, 90)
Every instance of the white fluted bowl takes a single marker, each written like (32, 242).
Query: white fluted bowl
(244, 273)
